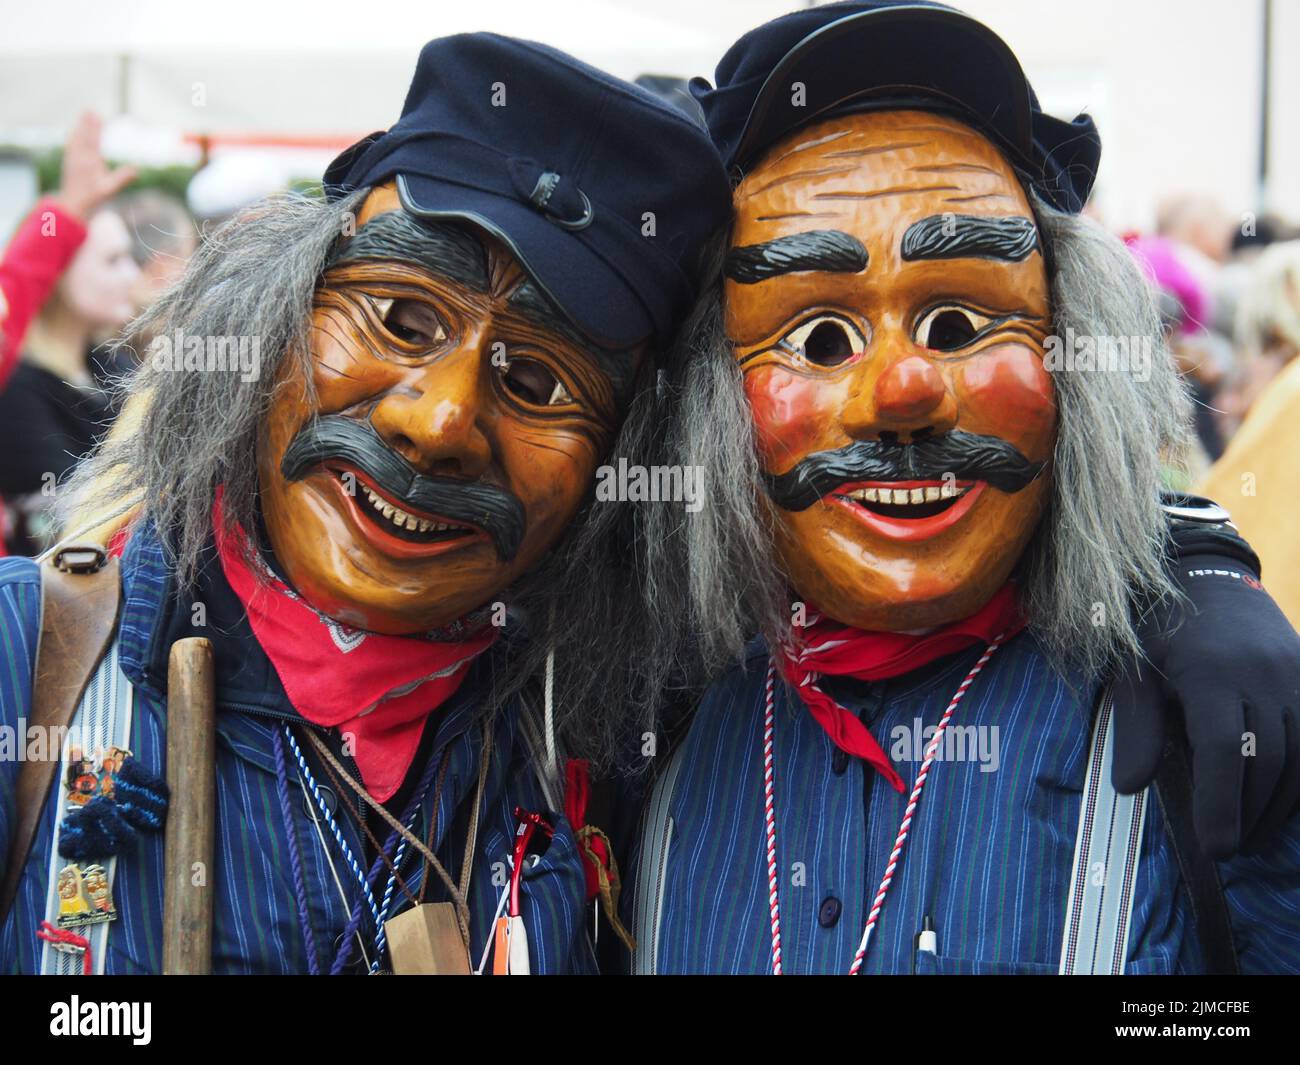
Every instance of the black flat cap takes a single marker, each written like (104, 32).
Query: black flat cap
(603, 192)
(883, 55)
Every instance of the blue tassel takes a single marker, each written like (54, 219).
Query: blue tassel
(141, 796)
(96, 830)
(102, 827)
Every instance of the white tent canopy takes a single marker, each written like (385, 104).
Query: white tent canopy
(246, 67)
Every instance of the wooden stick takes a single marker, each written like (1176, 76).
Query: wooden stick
(191, 776)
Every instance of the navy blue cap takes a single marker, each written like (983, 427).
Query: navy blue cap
(563, 163)
(880, 54)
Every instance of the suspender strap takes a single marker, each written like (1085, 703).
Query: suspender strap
(103, 720)
(1199, 873)
(1106, 856)
(648, 897)
(80, 593)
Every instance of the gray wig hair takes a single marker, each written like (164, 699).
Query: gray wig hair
(1097, 557)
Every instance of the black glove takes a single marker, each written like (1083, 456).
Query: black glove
(1231, 661)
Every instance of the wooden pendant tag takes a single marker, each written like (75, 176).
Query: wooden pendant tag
(425, 941)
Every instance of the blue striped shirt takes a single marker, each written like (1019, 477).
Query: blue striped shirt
(989, 853)
(257, 928)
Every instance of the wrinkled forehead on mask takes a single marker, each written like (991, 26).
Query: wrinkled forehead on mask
(467, 256)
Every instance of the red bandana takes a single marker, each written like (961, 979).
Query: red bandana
(378, 688)
(827, 647)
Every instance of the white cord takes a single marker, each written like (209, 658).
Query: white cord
(311, 809)
(552, 760)
(94, 523)
(501, 905)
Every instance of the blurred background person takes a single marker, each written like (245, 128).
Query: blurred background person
(1267, 327)
(54, 404)
(1200, 228)
(163, 238)
(44, 244)
(1184, 302)
(1256, 477)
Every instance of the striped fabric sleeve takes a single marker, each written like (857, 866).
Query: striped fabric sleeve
(1263, 893)
(20, 608)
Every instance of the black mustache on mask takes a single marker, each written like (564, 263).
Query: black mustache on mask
(497, 512)
(965, 456)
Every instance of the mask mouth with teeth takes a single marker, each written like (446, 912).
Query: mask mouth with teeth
(906, 499)
(409, 526)
(936, 469)
(905, 491)
(396, 498)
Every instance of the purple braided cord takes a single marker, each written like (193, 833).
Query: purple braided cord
(295, 859)
(344, 954)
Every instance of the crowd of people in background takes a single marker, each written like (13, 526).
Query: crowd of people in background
(95, 252)
(1227, 289)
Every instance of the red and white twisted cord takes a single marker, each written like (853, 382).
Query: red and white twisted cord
(769, 796)
(769, 818)
(913, 799)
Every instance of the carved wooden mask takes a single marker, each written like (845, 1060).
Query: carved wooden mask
(455, 426)
(887, 298)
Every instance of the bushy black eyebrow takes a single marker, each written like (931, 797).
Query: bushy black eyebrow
(442, 250)
(453, 252)
(964, 236)
(828, 250)
(531, 302)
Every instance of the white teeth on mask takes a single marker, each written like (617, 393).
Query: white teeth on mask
(404, 520)
(907, 496)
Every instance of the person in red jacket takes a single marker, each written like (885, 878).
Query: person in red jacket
(43, 246)
(66, 234)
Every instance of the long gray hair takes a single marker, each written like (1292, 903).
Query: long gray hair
(1098, 552)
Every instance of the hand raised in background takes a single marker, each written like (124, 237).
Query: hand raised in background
(87, 182)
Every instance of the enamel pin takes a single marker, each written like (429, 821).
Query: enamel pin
(85, 896)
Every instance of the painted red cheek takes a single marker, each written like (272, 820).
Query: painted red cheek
(1006, 390)
(789, 414)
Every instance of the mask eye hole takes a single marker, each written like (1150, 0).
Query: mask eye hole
(411, 322)
(825, 341)
(532, 382)
(950, 328)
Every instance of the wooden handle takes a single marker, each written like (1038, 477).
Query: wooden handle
(191, 775)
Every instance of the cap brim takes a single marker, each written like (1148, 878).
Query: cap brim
(577, 281)
(871, 58)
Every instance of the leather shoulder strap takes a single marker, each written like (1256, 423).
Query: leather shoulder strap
(81, 590)
(1199, 872)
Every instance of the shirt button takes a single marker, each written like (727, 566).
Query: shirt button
(328, 799)
(829, 914)
(839, 762)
